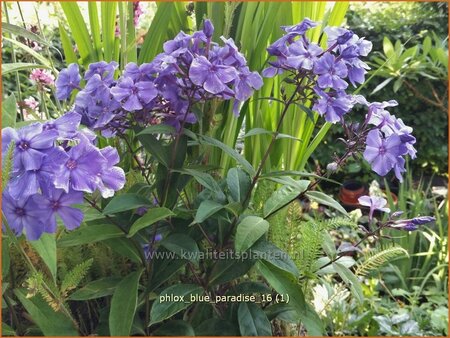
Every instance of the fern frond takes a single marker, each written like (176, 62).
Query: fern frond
(35, 285)
(374, 261)
(8, 164)
(338, 222)
(74, 277)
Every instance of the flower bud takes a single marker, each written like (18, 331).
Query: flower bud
(208, 28)
(333, 166)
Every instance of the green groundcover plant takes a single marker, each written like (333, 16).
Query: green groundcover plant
(123, 158)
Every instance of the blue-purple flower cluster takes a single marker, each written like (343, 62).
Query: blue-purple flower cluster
(53, 163)
(191, 69)
(326, 73)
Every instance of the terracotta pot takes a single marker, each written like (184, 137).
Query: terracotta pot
(350, 191)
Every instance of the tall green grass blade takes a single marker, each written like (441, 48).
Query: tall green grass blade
(69, 53)
(94, 21)
(79, 31)
(157, 33)
(108, 12)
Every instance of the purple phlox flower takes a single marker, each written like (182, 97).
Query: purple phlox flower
(181, 41)
(337, 36)
(334, 105)
(104, 69)
(144, 72)
(213, 78)
(29, 141)
(301, 56)
(42, 77)
(331, 72)
(24, 214)
(246, 82)
(280, 46)
(229, 54)
(405, 133)
(95, 87)
(376, 110)
(59, 203)
(274, 69)
(412, 224)
(133, 96)
(301, 27)
(383, 153)
(208, 28)
(374, 203)
(111, 178)
(25, 183)
(356, 70)
(66, 125)
(82, 170)
(68, 80)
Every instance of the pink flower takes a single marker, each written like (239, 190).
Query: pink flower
(42, 77)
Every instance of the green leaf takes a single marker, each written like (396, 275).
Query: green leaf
(6, 258)
(283, 196)
(229, 269)
(123, 246)
(124, 304)
(328, 246)
(69, 53)
(238, 184)
(50, 322)
(89, 234)
(46, 248)
(177, 328)
(388, 48)
(253, 321)
(125, 202)
(20, 31)
(17, 66)
(158, 129)
(324, 199)
(231, 152)
(351, 280)
(152, 216)
(274, 255)
(108, 13)
(281, 311)
(155, 148)
(29, 51)
(94, 21)
(165, 265)
(157, 33)
(183, 245)
(286, 284)
(96, 289)
(163, 308)
(9, 111)
(7, 330)
(248, 231)
(216, 327)
(206, 209)
(203, 178)
(79, 31)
